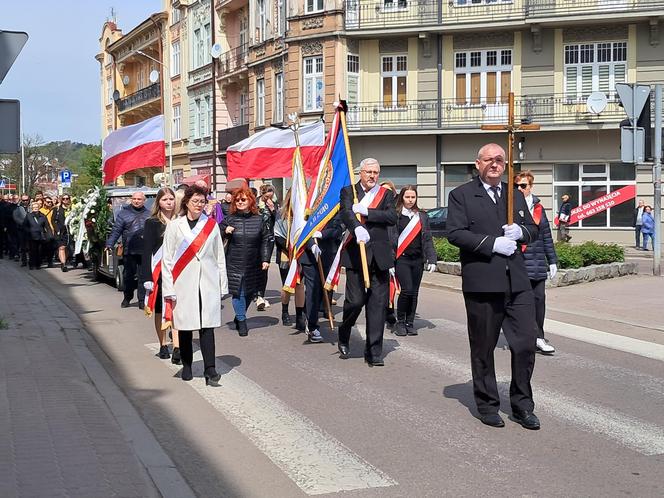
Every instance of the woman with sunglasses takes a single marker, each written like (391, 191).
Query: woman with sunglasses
(61, 233)
(540, 256)
(247, 253)
(163, 211)
(193, 273)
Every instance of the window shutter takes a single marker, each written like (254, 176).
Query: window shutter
(491, 88)
(586, 80)
(461, 89)
(505, 86)
(604, 79)
(619, 73)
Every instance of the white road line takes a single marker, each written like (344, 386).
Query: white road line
(311, 458)
(641, 436)
(605, 339)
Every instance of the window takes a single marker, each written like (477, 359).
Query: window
(198, 49)
(594, 67)
(261, 24)
(400, 175)
(208, 117)
(353, 86)
(176, 15)
(177, 133)
(455, 175)
(243, 32)
(207, 40)
(244, 119)
(197, 119)
(281, 17)
(585, 182)
(313, 83)
(109, 90)
(260, 102)
(175, 58)
(395, 4)
(479, 2)
(394, 69)
(314, 6)
(278, 98)
(483, 76)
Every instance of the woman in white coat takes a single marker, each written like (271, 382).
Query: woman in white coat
(194, 279)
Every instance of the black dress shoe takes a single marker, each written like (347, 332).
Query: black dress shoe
(492, 420)
(374, 362)
(400, 329)
(163, 353)
(410, 330)
(343, 351)
(301, 323)
(286, 320)
(212, 378)
(187, 375)
(390, 318)
(176, 359)
(242, 329)
(528, 420)
(124, 303)
(141, 305)
(64, 268)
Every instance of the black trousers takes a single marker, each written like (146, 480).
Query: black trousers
(262, 283)
(375, 299)
(12, 242)
(409, 274)
(540, 305)
(3, 240)
(23, 245)
(486, 313)
(35, 249)
(206, 340)
(313, 295)
(132, 268)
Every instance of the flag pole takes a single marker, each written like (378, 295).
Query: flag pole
(363, 249)
(326, 296)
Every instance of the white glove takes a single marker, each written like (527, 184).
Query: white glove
(553, 269)
(431, 267)
(360, 209)
(361, 234)
(317, 235)
(316, 251)
(148, 286)
(392, 272)
(513, 231)
(504, 246)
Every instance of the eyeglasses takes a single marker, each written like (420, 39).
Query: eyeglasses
(241, 200)
(522, 185)
(66, 198)
(197, 202)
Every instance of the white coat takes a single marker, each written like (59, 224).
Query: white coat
(205, 274)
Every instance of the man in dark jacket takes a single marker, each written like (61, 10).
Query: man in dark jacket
(496, 287)
(540, 257)
(129, 224)
(375, 205)
(19, 215)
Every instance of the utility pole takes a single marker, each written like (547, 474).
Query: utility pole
(657, 183)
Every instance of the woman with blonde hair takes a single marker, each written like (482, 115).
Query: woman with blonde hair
(163, 211)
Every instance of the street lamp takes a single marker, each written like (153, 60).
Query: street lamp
(170, 103)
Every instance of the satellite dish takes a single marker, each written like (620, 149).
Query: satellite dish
(125, 79)
(596, 102)
(216, 50)
(116, 95)
(154, 76)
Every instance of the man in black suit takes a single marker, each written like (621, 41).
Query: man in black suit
(375, 205)
(495, 284)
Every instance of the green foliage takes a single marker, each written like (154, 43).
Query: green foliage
(446, 251)
(89, 168)
(100, 221)
(588, 253)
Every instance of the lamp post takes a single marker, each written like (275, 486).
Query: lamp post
(170, 103)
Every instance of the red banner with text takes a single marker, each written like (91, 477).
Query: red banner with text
(602, 203)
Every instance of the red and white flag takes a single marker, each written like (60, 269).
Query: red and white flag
(269, 153)
(132, 147)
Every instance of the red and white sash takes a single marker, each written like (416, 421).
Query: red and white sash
(332, 280)
(395, 289)
(186, 252)
(409, 234)
(537, 217)
(151, 297)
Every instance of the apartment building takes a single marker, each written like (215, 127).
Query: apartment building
(423, 77)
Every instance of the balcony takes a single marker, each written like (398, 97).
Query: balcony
(231, 136)
(417, 14)
(233, 61)
(550, 111)
(139, 98)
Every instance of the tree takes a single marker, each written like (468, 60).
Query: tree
(89, 168)
(37, 164)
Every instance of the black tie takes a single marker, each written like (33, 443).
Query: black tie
(496, 193)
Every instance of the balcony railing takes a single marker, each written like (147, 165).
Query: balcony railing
(233, 60)
(384, 14)
(231, 136)
(546, 110)
(137, 98)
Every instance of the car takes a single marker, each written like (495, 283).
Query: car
(438, 221)
(110, 265)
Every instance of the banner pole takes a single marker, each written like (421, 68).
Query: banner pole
(326, 297)
(363, 249)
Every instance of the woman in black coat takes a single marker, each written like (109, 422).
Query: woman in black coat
(247, 253)
(411, 255)
(35, 226)
(163, 211)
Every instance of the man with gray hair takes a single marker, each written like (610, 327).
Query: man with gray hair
(374, 206)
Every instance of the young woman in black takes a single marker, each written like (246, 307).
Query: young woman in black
(414, 249)
(35, 225)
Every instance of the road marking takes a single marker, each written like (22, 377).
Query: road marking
(606, 339)
(641, 436)
(310, 457)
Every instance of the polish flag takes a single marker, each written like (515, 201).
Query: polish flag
(269, 153)
(132, 147)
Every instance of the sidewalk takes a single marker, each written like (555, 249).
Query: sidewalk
(67, 430)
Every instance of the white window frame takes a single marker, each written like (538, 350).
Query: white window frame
(394, 74)
(207, 44)
(260, 102)
(177, 122)
(175, 58)
(483, 68)
(197, 46)
(109, 89)
(312, 6)
(281, 17)
(579, 95)
(197, 118)
(176, 15)
(243, 109)
(278, 98)
(262, 20)
(474, 3)
(312, 75)
(204, 125)
(208, 102)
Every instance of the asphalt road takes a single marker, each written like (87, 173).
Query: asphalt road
(292, 419)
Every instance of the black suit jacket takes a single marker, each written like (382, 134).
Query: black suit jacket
(379, 248)
(474, 222)
(153, 238)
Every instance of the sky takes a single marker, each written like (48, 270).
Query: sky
(56, 76)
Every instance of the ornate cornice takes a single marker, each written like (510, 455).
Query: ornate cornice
(312, 48)
(313, 22)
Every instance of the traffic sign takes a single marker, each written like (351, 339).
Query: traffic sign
(633, 98)
(11, 44)
(2, 184)
(627, 149)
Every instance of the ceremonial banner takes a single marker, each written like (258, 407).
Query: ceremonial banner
(298, 201)
(600, 204)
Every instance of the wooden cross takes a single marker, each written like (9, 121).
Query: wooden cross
(510, 146)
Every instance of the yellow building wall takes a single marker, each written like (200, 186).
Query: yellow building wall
(448, 67)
